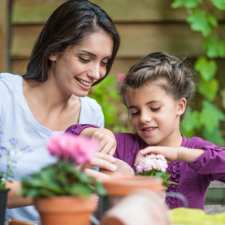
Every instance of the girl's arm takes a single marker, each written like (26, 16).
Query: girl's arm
(207, 160)
(173, 153)
(106, 138)
(14, 197)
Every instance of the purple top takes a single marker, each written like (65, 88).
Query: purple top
(192, 179)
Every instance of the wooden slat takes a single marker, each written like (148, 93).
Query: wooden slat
(137, 40)
(37, 11)
(4, 35)
(120, 65)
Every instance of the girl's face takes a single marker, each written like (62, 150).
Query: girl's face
(77, 68)
(155, 114)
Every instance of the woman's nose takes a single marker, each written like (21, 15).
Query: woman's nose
(95, 72)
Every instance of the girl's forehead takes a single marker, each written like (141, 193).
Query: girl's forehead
(149, 92)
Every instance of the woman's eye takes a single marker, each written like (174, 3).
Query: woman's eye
(84, 59)
(105, 62)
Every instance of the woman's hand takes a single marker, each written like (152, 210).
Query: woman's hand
(171, 153)
(106, 138)
(107, 166)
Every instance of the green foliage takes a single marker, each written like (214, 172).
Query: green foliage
(219, 4)
(206, 118)
(164, 176)
(202, 21)
(107, 95)
(69, 181)
(2, 183)
(186, 3)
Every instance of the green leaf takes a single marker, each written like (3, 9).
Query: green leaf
(202, 21)
(79, 190)
(211, 116)
(186, 3)
(214, 135)
(223, 98)
(190, 122)
(208, 89)
(215, 47)
(220, 4)
(206, 68)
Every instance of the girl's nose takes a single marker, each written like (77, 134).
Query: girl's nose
(145, 117)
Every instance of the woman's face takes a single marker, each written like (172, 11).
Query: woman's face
(77, 68)
(155, 114)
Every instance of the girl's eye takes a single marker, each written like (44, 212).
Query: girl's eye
(155, 109)
(133, 113)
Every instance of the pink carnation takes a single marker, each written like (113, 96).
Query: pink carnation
(76, 148)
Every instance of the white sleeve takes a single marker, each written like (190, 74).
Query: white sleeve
(91, 112)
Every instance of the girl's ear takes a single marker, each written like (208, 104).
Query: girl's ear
(181, 106)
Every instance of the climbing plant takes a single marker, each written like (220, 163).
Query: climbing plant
(208, 118)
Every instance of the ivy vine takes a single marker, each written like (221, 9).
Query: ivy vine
(207, 118)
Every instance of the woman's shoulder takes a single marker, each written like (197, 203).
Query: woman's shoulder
(91, 112)
(90, 102)
(10, 80)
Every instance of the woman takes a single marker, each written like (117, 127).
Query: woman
(75, 50)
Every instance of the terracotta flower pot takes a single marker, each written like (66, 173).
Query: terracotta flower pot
(66, 210)
(124, 185)
(120, 186)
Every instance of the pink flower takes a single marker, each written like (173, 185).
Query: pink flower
(120, 77)
(78, 149)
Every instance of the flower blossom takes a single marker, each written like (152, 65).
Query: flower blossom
(152, 162)
(78, 149)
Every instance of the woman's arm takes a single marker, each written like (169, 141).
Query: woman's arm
(14, 197)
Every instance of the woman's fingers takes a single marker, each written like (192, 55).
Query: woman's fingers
(96, 174)
(104, 161)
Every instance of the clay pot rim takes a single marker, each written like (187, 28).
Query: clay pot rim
(123, 185)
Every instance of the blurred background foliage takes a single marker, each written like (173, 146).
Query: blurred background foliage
(206, 115)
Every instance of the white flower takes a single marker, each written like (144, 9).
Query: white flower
(152, 162)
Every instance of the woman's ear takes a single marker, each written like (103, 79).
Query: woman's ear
(53, 57)
(181, 106)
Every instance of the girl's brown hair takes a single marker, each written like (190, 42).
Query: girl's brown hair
(163, 66)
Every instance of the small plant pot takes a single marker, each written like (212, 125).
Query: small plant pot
(119, 187)
(3, 205)
(66, 210)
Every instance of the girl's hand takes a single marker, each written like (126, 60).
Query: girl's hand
(106, 138)
(170, 153)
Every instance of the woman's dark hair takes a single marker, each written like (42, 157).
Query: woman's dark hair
(67, 26)
(158, 65)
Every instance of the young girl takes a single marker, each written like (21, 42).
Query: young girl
(156, 91)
